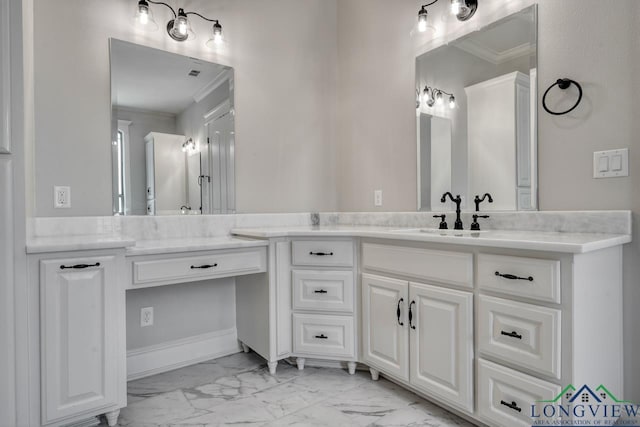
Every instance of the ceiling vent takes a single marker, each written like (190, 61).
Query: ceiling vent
(194, 73)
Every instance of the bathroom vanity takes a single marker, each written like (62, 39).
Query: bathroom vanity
(484, 323)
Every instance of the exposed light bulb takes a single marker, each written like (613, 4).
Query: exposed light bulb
(217, 33)
(439, 98)
(452, 102)
(456, 6)
(143, 17)
(422, 20)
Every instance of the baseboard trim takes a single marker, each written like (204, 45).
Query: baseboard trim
(171, 355)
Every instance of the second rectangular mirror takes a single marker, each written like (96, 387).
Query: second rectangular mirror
(173, 136)
(476, 117)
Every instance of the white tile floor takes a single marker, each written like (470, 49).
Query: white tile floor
(238, 390)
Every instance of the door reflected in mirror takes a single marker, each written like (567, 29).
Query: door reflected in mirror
(173, 138)
(476, 117)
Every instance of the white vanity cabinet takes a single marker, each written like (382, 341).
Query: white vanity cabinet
(419, 333)
(81, 336)
(323, 304)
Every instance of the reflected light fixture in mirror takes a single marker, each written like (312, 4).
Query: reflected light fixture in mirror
(178, 28)
(432, 95)
(462, 9)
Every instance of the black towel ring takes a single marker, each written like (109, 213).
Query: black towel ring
(562, 84)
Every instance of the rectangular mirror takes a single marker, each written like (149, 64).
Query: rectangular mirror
(476, 100)
(172, 124)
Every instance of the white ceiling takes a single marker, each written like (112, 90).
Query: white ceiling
(155, 80)
(505, 41)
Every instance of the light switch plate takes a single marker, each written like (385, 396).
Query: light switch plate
(611, 163)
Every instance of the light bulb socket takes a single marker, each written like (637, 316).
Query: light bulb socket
(466, 10)
(217, 29)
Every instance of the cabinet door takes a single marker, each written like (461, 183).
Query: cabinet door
(386, 339)
(79, 336)
(442, 343)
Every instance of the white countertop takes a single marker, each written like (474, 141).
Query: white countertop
(78, 243)
(162, 246)
(531, 240)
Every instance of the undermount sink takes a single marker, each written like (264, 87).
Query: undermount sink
(455, 233)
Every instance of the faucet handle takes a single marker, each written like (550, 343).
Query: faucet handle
(443, 223)
(474, 225)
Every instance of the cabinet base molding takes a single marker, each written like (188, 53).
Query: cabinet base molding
(176, 354)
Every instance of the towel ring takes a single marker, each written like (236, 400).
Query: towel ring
(562, 84)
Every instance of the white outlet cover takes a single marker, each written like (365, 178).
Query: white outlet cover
(61, 197)
(377, 198)
(146, 316)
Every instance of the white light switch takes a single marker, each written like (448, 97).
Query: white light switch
(603, 164)
(611, 163)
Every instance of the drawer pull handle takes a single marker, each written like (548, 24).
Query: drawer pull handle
(203, 267)
(513, 334)
(512, 405)
(398, 312)
(512, 277)
(321, 253)
(79, 266)
(322, 337)
(411, 315)
(320, 291)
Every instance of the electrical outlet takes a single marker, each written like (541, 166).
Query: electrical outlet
(377, 198)
(61, 197)
(146, 316)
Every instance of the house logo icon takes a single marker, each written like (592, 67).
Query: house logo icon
(585, 406)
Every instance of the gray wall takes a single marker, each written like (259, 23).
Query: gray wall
(284, 54)
(181, 311)
(592, 41)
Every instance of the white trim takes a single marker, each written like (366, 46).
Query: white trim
(493, 56)
(144, 111)
(515, 76)
(5, 78)
(211, 86)
(220, 109)
(123, 126)
(171, 355)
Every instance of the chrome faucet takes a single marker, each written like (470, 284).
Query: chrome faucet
(457, 200)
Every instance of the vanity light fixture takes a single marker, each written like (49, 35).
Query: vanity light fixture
(433, 95)
(189, 146)
(178, 28)
(462, 9)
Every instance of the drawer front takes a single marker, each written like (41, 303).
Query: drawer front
(505, 396)
(333, 253)
(187, 269)
(524, 334)
(523, 277)
(323, 290)
(320, 335)
(442, 266)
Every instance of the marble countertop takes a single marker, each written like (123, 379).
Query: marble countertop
(78, 243)
(162, 246)
(531, 240)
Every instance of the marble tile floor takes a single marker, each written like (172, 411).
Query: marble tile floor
(238, 390)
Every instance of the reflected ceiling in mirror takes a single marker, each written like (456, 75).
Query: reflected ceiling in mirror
(173, 139)
(476, 115)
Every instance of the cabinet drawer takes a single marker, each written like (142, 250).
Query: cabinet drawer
(523, 277)
(505, 396)
(323, 290)
(442, 266)
(188, 269)
(333, 253)
(323, 335)
(524, 334)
